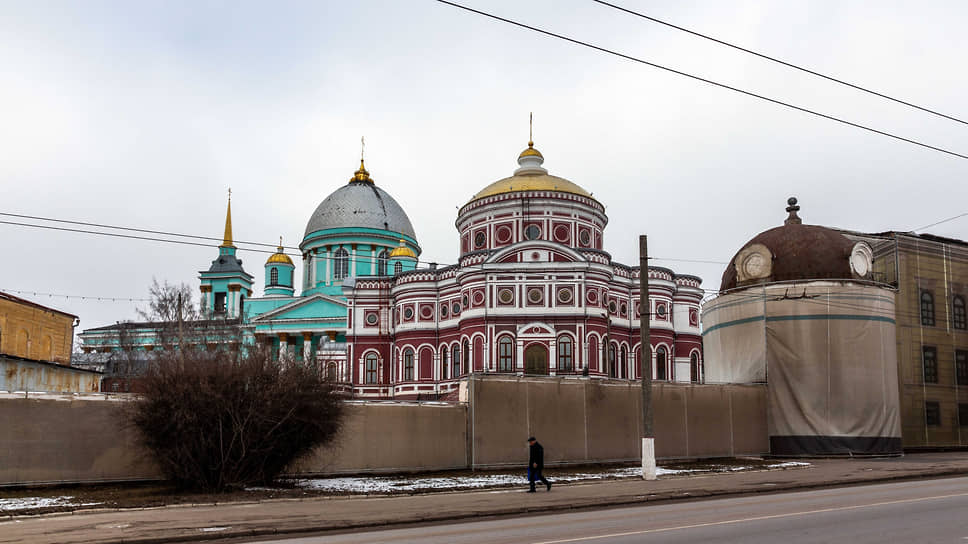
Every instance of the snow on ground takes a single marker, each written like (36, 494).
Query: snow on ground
(405, 484)
(32, 503)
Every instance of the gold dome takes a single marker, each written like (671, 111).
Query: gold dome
(530, 152)
(524, 182)
(402, 251)
(279, 257)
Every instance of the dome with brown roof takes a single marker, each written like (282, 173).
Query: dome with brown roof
(795, 252)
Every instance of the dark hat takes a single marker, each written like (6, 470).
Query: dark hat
(531, 439)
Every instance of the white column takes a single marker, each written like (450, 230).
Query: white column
(283, 348)
(308, 348)
(552, 356)
(519, 364)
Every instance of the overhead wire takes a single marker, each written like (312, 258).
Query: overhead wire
(779, 61)
(703, 80)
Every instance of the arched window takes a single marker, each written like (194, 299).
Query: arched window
(381, 263)
(467, 357)
(958, 312)
(612, 363)
(443, 364)
(694, 367)
(331, 372)
(660, 363)
(273, 276)
(505, 354)
(372, 367)
(566, 359)
(397, 267)
(927, 309)
(408, 365)
(455, 359)
(341, 264)
(623, 363)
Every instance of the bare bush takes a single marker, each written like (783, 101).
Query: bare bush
(222, 419)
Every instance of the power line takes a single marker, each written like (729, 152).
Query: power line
(82, 297)
(132, 229)
(778, 61)
(704, 80)
(940, 222)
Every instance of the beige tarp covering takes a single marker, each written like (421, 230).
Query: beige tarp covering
(830, 363)
(734, 339)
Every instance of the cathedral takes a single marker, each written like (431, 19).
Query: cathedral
(532, 293)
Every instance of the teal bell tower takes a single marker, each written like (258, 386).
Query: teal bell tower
(225, 285)
(279, 273)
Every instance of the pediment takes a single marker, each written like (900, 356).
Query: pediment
(535, 329)
(315, 306)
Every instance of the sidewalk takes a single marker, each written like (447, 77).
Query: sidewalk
(280, 517)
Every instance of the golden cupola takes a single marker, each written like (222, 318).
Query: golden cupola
(403, 251)
(279, 257)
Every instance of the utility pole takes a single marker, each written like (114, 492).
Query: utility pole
(181, 338)
(645, 315)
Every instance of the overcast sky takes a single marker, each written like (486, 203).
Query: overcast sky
(143, 114)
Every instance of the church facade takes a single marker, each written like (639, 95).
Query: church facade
(532, 293)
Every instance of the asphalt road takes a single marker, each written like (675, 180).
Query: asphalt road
(914, 511)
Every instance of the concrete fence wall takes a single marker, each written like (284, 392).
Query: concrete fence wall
(599, 421)
(79, 438)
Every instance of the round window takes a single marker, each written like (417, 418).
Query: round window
(463, 301)
(660, 310)
(479, 240)
(624, 309)
(506, 296)
(535, 295)
(371, 319)
(585, 237)
(503, 234)
(443, 310)
(564, 296)
(532, 232)
(408, 313)
(611, 306)
(456, 308)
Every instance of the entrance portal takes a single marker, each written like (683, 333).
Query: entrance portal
(536, 360)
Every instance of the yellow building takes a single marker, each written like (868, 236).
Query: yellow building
(931, 277)
(31, 331)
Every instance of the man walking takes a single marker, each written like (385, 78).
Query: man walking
(536, 464)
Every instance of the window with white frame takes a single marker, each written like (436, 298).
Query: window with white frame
(566, 359)
(505, 356)
(408, 365)
(341, 264)
(372, 367)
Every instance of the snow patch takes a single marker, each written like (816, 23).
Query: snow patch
(33, 503)
(404, 484)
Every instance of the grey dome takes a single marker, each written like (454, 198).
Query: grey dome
(360, 204)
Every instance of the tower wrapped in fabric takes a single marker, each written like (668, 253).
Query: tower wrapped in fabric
(799, 310)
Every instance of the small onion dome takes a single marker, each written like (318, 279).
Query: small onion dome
(361, 174)
(279, 257)
(402, 251)
(530, 152)
(797, 252)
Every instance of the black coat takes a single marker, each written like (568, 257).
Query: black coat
(537, 456)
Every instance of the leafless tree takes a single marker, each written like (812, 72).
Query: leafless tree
(221, 419)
